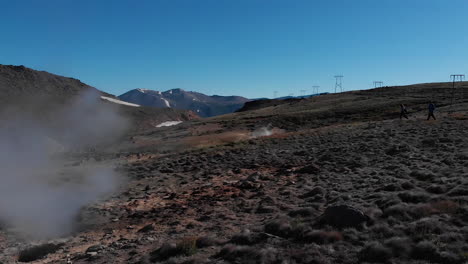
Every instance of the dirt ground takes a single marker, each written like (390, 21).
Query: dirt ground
(358, 185)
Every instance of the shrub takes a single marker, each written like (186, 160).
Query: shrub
(207, 241)
(445, 206)
(280, 227)
(375, 252)
(37, 252)
(322, 237)
(187, 246)
(400, 246)
(247, 255)
(439, 207)
(425, 250)
(413, 197)
(246, 238)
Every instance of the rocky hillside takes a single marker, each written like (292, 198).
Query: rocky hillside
(18, 82)
(199, 103)
(42, 93)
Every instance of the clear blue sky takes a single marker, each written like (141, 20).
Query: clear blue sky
(241, 47)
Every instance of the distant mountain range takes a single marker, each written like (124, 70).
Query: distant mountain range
(201, 104)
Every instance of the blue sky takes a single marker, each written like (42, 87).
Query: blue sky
(237, 47)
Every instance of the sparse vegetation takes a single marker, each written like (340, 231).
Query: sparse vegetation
(402, 196)
(187, 246)
(37, 252)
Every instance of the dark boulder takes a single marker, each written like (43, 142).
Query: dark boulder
(342, 216)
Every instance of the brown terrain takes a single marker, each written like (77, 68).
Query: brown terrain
(335, 178)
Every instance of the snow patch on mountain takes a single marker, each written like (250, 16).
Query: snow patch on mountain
(169, 123)
(118, 101)
(166, 102)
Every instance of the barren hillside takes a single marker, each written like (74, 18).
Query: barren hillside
(332, 179)
(42, 93)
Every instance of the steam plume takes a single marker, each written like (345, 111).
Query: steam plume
(262, 132)
(40, 192)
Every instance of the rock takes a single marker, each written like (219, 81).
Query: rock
(146, 228)
(266, 209)
(254, 177)
(94, 248)
(304, 212)
(167, 250)
(207, 241)
(315, 191)
(311, 169)
(280, 227)
(342, 216)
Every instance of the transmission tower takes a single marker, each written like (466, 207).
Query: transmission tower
(339, 83)
(302, 92)
(378, 84)
(315, 89)
(455, 78)
(275, 94)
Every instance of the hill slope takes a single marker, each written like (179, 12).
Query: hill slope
(43, 93)
(19, 81)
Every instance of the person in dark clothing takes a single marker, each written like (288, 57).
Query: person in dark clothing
(431, 109)
(403, 112)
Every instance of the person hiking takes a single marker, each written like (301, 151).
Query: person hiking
(403, 111)
(431, 109)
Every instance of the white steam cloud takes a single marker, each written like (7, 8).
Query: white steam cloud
(41, 189)
(262, 132)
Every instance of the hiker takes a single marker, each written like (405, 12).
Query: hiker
(403, 112)
(431, 109)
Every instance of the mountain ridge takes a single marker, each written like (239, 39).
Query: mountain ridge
(203, 105)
